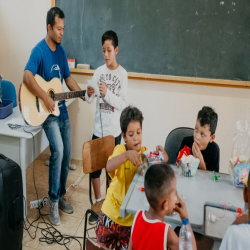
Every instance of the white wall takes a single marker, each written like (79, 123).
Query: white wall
(22, 26)
(165, 106)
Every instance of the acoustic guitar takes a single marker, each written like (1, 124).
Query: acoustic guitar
(33, 109)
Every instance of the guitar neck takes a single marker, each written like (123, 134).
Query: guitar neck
(68, 95)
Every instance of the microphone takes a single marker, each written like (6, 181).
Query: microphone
(102, 78)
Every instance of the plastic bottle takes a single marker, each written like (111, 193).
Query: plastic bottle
(185, 237)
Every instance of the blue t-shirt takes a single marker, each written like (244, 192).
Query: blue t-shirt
(49, 64)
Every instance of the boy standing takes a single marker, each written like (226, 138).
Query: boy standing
(148, 230)
(202, 143)
(113, 231)
(112, 79)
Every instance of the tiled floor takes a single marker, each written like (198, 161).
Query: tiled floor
(71, 224)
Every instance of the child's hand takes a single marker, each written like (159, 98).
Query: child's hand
(90, 91)
(197, 153)
(243, 219)
(181, 209)
(134, 157)
(164, 153)
(103, 88)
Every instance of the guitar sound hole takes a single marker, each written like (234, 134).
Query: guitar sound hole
(51, 94)
(37, 104)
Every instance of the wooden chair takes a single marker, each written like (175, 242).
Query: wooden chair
(93, 245)
(203, 242)
(95, 155)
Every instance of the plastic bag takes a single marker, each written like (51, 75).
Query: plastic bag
(239, 163)
(154, 157)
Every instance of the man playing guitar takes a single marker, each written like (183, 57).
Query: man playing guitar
(48, 59)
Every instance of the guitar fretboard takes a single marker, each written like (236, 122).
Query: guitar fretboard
(68, 95)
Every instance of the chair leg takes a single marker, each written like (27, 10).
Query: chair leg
(85, 228)
(90, 190)
(89, 211)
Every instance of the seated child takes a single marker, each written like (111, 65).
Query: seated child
(112, 231)
(202, 143)
(148, 230)
(237, 236)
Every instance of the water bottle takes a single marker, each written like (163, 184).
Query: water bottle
(185, 237)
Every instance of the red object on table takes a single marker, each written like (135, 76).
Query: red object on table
(239, 211)
(186, 151)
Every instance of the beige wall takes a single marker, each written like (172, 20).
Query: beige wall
(22, 26)
(165, 106)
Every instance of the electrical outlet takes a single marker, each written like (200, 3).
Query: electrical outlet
(34, 204)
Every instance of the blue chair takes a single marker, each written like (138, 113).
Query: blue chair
(8, 91)
(174, 140)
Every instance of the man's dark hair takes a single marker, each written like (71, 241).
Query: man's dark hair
(130, 114)
(110, 35)
(51, 16)
(158, 183)
(208, 116)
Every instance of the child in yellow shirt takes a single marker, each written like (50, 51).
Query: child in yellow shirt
(112, 230)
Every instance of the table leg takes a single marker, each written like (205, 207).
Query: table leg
(23, 165)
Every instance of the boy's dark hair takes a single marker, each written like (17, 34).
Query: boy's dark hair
(51, 16)
(110, 35)
(208, 116)
(158, 180)
(129, 114)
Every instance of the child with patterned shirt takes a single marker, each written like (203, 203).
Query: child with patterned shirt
(113, 231)
(148, 230)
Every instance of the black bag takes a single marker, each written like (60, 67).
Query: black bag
(11, 205)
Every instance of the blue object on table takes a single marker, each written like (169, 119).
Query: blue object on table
(9, 91)
(174, 140)
(6, 108)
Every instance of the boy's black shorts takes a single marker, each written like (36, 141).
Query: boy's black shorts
(97, 173)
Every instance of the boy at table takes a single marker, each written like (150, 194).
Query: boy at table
(113, 231)
(149, 230)
(237, 235)
(202, 143)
